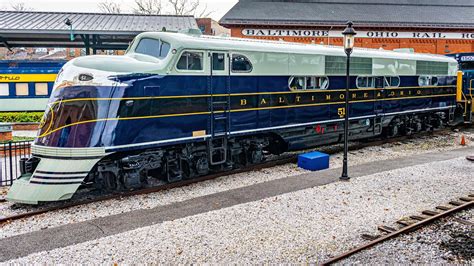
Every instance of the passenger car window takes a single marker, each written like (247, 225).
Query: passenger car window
(41, 89)
(190, 61)
(240, 63)
(21, 89)
(153, 47)
(218, 61)
(4, 89)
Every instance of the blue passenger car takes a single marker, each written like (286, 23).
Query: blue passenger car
(25, 85)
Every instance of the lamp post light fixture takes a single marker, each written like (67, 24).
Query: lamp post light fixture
(68, 23)
(349, 40)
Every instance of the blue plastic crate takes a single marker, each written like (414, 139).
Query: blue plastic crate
(313, 161)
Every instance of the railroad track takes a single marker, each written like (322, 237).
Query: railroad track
(409, 224)
(292, 158)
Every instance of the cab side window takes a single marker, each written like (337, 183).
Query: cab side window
(241, 64)
(191, 61)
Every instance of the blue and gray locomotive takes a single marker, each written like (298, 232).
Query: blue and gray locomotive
(178, 106)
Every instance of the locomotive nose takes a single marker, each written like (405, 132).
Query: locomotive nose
(58, 175)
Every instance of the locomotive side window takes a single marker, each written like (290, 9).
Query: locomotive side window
(297, 83)
(241, 64)
(378, 82)
(424, 81)
(190, 61)
(4, 89)
(153, 47)
(317, 83)
(21, 89)
(393, 82)
(41, 89)
(308, 83)
(365, 82)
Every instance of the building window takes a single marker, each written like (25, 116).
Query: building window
(308, 83)
(41, 89)
(21, 89)
(218, 61)
(424, 81)
(240, 63)
(4, 90)
(336, 65)
(190, 61)
(431, 68)
(153, 47)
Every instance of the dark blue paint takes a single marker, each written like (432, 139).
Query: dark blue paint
(124, 132)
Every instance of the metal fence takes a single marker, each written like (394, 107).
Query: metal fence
(10, 155)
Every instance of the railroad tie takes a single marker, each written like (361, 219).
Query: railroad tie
(418, 218)
(455, 203)
(443, 208)
(429, 213)
(369, 237)
(462, 221)
(466, 199)
(386, 229)
(404, 223)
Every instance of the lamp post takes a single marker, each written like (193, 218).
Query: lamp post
(349, 39)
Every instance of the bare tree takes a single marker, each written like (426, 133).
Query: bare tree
(20, 6)
(150, 7)
(189, 7)
(109, 7)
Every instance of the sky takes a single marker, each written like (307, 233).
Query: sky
(219, 7)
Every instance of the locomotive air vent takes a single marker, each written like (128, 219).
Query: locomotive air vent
(85, 77)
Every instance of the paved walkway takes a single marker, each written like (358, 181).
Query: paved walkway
(48, 239)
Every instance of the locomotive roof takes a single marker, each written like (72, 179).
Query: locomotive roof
(202, 42)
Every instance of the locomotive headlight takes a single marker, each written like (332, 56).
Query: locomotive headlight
(85, 77)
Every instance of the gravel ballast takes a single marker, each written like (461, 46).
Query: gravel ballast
(304, 226)
(416, 146)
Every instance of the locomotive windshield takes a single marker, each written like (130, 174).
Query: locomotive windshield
(153, 47)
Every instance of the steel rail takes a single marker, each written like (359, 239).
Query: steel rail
(403, 230)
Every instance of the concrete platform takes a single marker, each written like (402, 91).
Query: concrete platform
(22, 245)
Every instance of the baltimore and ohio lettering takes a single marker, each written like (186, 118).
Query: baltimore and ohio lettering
(361, 34)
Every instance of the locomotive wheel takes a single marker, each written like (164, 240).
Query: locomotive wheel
(109, 181)
(393, 131)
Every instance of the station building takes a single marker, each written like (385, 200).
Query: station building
(427, 26)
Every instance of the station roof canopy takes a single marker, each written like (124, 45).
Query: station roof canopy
(371, 13)
(93, 30)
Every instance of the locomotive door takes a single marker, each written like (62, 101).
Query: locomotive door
(219, 106)
(379, 87)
